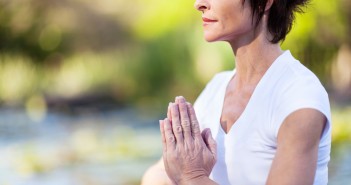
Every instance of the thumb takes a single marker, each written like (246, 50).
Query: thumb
(209, 141)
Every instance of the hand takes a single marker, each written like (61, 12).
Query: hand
(188, 154)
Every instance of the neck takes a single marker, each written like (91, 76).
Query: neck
(254, 54)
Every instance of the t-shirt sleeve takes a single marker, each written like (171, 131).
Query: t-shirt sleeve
(303, 93)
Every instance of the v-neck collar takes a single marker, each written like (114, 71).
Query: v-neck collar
(240, 122)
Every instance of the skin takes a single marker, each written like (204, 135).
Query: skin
(184, 144)
(298, 137)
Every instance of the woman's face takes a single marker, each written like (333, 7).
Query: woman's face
(226, 20)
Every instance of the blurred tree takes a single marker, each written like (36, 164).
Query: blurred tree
(158, 50)
(317, 36)
(39, 29)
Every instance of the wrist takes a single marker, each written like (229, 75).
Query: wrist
(203, 180)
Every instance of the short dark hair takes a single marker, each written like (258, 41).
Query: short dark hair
(281, 15)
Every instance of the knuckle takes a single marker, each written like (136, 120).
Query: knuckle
(186, 123)
(171, 139)
(195, 126)
(168, 129)
(183, 109)
(195, 122)
(178, 129)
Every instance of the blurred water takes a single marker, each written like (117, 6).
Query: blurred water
(340, 165)
(109, 148)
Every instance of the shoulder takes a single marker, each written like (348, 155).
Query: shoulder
(298, 77)
(288, 80)
(299, 88)
(298, 85)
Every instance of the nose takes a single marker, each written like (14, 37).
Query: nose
(202, 5)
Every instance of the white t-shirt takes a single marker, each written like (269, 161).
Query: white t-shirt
(246, 152)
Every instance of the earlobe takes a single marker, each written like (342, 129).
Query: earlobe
(269, 4)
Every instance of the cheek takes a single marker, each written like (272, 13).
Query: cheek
(236, 21)
(231, 16)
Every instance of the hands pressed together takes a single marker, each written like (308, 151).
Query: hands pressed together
(188, 154)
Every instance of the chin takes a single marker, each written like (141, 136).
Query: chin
(210, 38)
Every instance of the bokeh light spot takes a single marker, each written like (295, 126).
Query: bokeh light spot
(50, 38)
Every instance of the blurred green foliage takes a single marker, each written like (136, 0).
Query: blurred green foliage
(140, 52)
(318, 34)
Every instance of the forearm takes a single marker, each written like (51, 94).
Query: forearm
(155, 175)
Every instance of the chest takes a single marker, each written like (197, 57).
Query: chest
(235, 103)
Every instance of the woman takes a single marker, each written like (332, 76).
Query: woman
(269, 117)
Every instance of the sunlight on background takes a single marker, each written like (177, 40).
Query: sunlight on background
(36, 108)
(83, 83)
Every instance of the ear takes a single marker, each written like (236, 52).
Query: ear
(269, 4)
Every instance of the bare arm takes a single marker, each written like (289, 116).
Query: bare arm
(156, 175)
(298, 139)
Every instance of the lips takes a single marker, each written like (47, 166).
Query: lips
(207, 20)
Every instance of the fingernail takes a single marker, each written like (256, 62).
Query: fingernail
(181, 99)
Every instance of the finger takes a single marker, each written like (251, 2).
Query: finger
(177, 128)
(184, 117)
(195, 128)
(164, 146)
(209, 141)
(170, 140)
(169, 115)
(176, 100)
